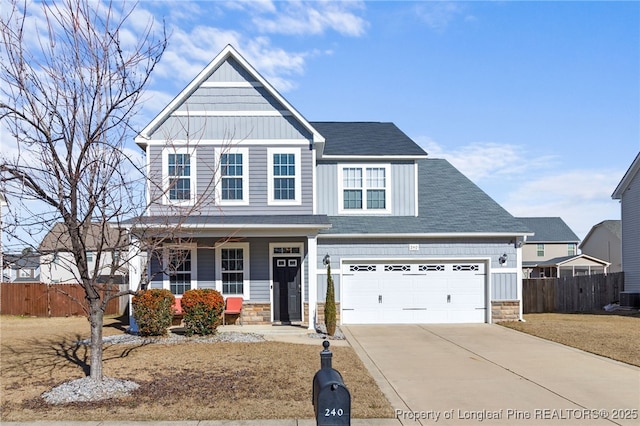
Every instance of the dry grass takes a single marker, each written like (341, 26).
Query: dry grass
(266, 380)
(614, 335)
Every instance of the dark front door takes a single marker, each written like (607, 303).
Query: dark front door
(287, 289)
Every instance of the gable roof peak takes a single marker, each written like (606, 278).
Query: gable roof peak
(228, 52)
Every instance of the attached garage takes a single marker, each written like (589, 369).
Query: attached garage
(413, 292)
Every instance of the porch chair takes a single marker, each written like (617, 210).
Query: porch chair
(233, 306)
(178, 314)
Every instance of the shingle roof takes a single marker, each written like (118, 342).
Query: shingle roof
(549, 229)
(448, 203)
(366, 139)
(58, 238)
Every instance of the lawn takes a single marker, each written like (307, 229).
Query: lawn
(613, 335)
(265, 380)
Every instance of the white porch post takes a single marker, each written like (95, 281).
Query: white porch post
(312, 262)
(519, 275)
(136, 264)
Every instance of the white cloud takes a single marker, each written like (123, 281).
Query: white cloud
(299, 18)
(529, 184)
(489, 160)
(439, 14)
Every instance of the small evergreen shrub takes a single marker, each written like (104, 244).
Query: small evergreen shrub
(153, 311)
(202, 311)
(330, 305)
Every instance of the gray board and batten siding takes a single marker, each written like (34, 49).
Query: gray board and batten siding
(403, 187)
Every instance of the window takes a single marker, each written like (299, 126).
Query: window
(89, 255)
(232, 270)
(232, 262)
(284, 176)
(180, 270)
(540, 250)
(233, 176)
(365, 188)
(179, 175)
(571, 249)
(25, 273)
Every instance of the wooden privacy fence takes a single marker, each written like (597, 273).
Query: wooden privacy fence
(49, 300)
(584, 293)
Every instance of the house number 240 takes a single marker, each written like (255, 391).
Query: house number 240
(332, 413)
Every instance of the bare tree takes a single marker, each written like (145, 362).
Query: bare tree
(71, 86)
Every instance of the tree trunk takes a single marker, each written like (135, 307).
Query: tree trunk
(96, 319)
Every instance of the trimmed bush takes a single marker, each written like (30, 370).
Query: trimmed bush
(330, 305)
(153, 311)
(202, 311)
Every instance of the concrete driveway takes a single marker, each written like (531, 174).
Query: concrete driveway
(471, 374)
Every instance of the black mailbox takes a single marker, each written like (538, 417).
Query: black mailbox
(331, 398)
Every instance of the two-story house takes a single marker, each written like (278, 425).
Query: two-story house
(265, 198)
(106, 256)
(604, 241)
(553, 251)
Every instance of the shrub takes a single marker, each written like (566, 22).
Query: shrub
(202, 311)
(330, 305)
(153, 311)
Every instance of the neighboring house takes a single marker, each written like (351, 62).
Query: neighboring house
(604, 241)
(553, 251)
(20, 267)
(628, 192)
(57, 264)
(264, 196)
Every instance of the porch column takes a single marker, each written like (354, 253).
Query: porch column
(136, 264)
(312, 264)
(519, 245)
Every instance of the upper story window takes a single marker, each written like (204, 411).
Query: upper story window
(284, 176)
(179, 175)
(540, 250)
(233, 176)
(571, 249)
(364, 188)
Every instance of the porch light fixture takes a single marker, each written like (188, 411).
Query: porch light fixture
(326, 260)
(502, 259)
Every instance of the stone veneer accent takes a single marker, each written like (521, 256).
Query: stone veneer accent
(508, 310)
(320, 312)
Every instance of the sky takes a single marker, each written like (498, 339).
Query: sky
(538, 103)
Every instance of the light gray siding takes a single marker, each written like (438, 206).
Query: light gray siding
(231, 99)
(631, 235)
(258, 178)
(402, 194)
(231, 129)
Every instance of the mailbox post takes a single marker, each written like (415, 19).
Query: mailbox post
(331, 398)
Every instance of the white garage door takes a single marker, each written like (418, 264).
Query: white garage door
(409, 293)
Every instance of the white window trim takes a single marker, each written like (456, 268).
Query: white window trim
(298, 177)
(193, 248)
(364, 167)
(246, 281)
(192, 176)
(245, 176)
